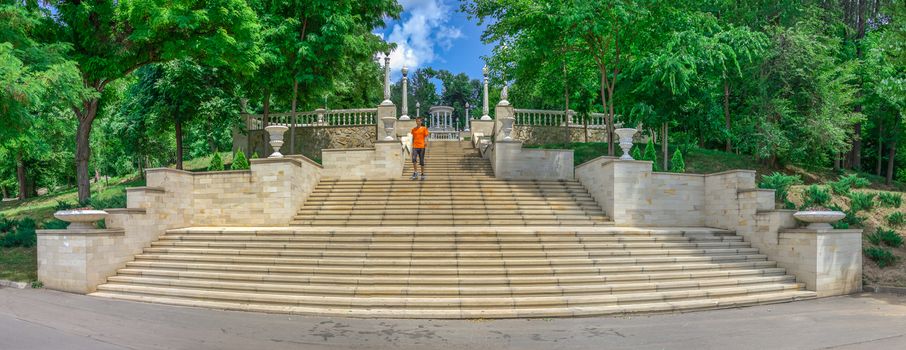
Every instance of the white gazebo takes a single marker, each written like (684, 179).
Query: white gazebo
(440, 124)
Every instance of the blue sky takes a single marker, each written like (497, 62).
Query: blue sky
(433, 33)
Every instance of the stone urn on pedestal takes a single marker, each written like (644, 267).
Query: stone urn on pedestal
(507, 126)
(819, 218)
(83, 219)
(276, 138)
(626, 135)
(388, 127)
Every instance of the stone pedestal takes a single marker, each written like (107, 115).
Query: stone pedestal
(828, 261)
(78, 260)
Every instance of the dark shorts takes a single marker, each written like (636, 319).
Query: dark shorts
(418, 155)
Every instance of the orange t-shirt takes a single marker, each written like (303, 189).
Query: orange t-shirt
(419, 134)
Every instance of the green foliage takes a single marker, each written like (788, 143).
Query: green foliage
(890, 199)
(881, 256)
(216, 163)
(651, 154)
(7, 225)
(636, 153)
(677, 164)
(63, 205)
(896, 219)
(888, 237)
(239, 161)
(815, 196)
(859, 201)
(851, 219)
(254, 155)
(23, 235)
(846, 182)
(55, 224)
(117, 200)
(780, 183)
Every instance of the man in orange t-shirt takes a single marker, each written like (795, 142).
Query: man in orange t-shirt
(419, 143)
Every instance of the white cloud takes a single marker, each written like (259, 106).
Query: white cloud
(423, 31)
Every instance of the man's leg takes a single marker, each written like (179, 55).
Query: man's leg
(414, 164)
(422, 161)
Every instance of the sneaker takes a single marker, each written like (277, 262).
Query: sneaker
(423, 177)
(414, 176)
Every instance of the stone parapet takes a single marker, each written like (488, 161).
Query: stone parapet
(384, 161)
(829, 262)
(511, 161)
(78, 260)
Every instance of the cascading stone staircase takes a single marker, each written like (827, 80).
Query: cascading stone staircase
(461, 244)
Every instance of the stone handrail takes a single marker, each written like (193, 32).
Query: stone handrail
(542, 117)
(318, 117)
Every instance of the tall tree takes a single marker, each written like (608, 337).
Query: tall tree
(111, 39)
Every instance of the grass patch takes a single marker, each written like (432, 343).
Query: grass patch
(859, 201)
(19, 264)
(881, 256)
(41, 208)
(202, 163)
(896, 219)
(890, 199)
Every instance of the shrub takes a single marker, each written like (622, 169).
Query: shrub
(651, 154)
(881, 256)
(890, 199)
(815, 196)
(677, 164)
(254, 155)
(890, 238)
(22, 236)
(8, 225)
(216, 163)
(901, 175)
(847, 182)
(874, 237)
(114, 201)
(56, 224)
(851, 219)
(780, 183)
(861, 201)
(63, 205)
(636, 153)
(239, 161)
(896, 219)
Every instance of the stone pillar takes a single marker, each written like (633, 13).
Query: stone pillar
(484, 99)
(405, 107)
(384, 111)
(503, 110)
(468, 120)
(387, 81)
(828, 261)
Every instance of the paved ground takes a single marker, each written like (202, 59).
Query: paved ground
(43, 319)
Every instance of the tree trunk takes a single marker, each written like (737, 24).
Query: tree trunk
(179, 149)
(267, 108)
(880, 149)
(836, 161)
(86, 116)
(857, 144)
(292, 126)
(664, 146)
(21, 177)
(3, 189)
(729, 146)
(892, 152)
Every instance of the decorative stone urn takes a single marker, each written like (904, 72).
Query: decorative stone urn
(625, 135)
(81, 218)
(507, 125)
(388, 127)
(276, 139)
(819, 219)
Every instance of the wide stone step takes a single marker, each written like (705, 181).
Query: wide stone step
(420, 246)
(405, 280)
(460, 262)
(297, 289)
(250, 238)
(457, 232)
(614, 272)
(485, 307)
(451, 253)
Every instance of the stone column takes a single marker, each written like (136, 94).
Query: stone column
(405, 106)
(418, 109)
(484, 99)
(468, 120)
(387, 81)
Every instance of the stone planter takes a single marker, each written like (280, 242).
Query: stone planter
(626, 135)
(388, 127)
(81, 218)
(276, 138)
(507, 126)
(819, 219)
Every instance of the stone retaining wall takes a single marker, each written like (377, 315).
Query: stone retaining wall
(311, 140)
(511, 161)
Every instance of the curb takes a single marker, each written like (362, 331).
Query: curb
(883, 289)
(12, 284)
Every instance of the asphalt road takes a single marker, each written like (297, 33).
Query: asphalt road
(44, 319)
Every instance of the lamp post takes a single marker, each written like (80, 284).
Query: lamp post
(468, 120)
(405, 111)
(484, 99)
(418, 109)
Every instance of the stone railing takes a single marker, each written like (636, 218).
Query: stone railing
(538, 117)
(318, 117)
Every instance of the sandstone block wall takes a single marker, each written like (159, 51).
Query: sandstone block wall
(828, 262)
(78, 260)
(511, 161)
(311, 140)
(384, 161)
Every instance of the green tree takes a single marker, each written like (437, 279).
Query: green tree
(677, 164)
(651, 155)
(111, 39)
(239, 161)
(216, 163)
